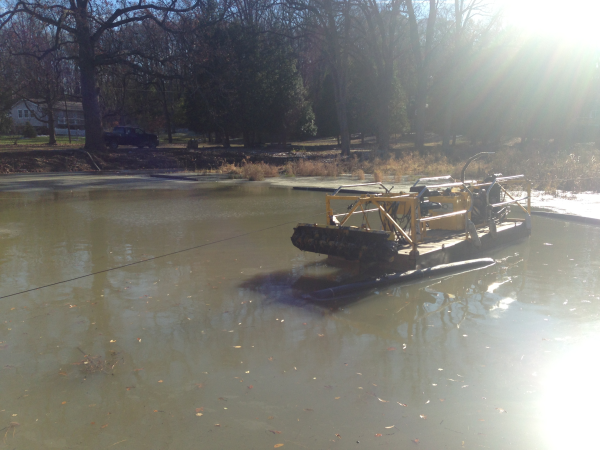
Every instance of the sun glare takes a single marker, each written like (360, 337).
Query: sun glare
(576, 20)
(571, 398)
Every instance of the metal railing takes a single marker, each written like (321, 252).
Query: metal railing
(375, 183)
(496, 182)
(443, 177)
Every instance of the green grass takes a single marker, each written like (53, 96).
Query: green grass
(178, 138)
(183, 138)
(41, 140)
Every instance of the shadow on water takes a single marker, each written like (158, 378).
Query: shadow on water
(292, 287)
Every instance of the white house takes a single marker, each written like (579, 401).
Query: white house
(30, 111)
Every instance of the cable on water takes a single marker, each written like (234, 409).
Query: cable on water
(152, 258)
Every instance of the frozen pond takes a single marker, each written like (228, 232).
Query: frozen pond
(213, 347)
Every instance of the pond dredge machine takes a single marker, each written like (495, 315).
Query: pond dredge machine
(439, 221)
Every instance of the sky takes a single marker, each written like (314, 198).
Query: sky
(577, 20)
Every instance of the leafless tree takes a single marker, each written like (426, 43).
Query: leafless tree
(465, 11)
(422, 54)
(40, 75)
(382, 29)
(328, 23)
(85, 24)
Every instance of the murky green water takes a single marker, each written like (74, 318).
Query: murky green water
(212, 348)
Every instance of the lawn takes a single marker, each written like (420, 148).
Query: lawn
(76, 141)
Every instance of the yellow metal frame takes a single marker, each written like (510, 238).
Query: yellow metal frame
(412, 201)
(361, 200)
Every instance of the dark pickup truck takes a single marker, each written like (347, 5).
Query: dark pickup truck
(130, 136)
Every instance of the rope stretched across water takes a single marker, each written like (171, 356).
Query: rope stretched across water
(151, 259)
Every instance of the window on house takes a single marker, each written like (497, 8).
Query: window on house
(26, 113)
(20, 113)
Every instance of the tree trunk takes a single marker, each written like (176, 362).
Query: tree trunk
(447, 128)
(67, 119)
(336, 43)
(385, 90)
(167, 115)
(94, 139)
(422, 55)
(453, 84)
(51, 131)
(342, 112)
(420, 104)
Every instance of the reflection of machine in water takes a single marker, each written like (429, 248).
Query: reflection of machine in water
(440, 220)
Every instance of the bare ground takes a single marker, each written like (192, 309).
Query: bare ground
(25, 160)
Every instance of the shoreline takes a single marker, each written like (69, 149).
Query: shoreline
(585, 205)
(552, 170)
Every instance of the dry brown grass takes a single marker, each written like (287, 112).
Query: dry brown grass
(576, 169)
(378, 175)
(408, 164)
(413, 163)
(259, 171)
(288, 169)
(359, 174)
(309, 168)
(253, 172)
(270, 170)
(228, 168)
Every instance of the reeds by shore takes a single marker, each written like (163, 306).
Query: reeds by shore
(576, 170)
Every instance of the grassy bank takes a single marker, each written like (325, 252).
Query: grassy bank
(39, 142)
(576, 169)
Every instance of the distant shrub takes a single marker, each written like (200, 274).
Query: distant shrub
(6, 125)
(253, 172)
(29, 131)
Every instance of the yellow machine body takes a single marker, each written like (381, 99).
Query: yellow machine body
(405, 217)
(457, 201)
